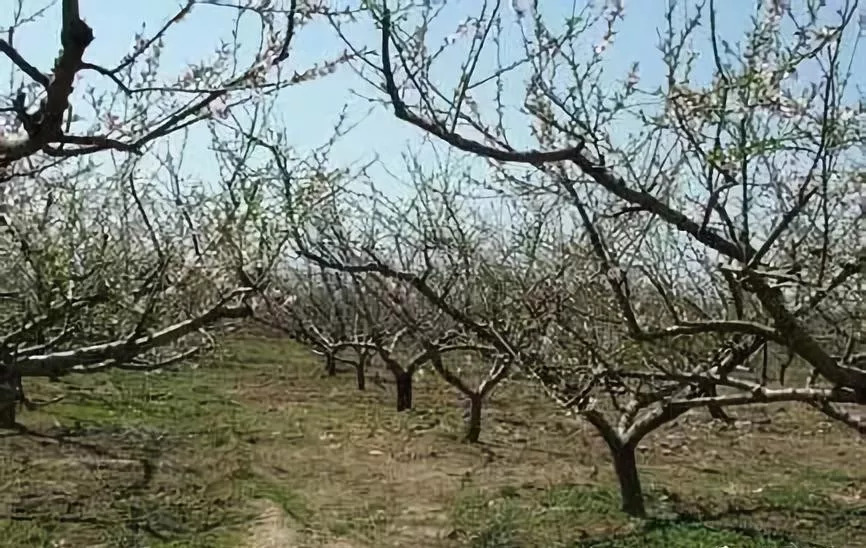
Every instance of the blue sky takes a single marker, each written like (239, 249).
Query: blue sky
(308, 111)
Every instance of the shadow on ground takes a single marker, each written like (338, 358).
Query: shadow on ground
(257, 449)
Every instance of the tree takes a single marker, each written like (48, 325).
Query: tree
(403, 328)
(784, 230)
(439, 339)
(320, 309)
(406, 333)
(736, 200)
(440, 242)
(111, 260)
(94, 281)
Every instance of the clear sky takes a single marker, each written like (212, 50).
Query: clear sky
(309, 110)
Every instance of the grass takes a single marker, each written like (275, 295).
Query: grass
(191, 458)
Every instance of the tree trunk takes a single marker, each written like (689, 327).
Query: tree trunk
(7, 414)
(361, 372)
(716, 411)
(404, 390)
(473, 421)
(330, 364)
(625, 466)
(8, 400)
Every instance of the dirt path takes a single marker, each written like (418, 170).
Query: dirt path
(271, 528)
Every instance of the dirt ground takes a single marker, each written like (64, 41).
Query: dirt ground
(256, 448)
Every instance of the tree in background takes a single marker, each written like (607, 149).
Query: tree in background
(322, 310)
(406, 332)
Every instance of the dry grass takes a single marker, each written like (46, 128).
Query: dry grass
(272, 528)
(258, 450)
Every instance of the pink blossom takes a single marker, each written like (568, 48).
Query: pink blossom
(219, 108)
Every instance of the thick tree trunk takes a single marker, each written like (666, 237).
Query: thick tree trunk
(622, 449)
(473, 420)
(404, 390)
(625, 466)
(330, 364)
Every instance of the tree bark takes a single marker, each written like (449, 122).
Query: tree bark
(622, 447)
(361, 372)
(9, 396)
(473, 421)
(330, 364)
(404, 390)
(625, 466)
(7, 414)
(716, 411)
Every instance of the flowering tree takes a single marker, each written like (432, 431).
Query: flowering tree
(334, 226)
(403, 329)
(725, 173)
(320, 309)
(116, 256)
(720, 217)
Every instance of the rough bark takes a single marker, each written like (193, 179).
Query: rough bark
(404, 390)
(8, 400)
(61, 362)
(622, 451)
(330, 364)
(7, 414)
(473, 421)
(716, 411)
(625, 466)
(361, 371)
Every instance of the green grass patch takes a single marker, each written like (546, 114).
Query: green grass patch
(587, 516)
(290, 501)
(520, 517)
(688, 535)
(185, 401)
(185, 458)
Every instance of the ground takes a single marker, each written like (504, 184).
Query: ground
(255, 448)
